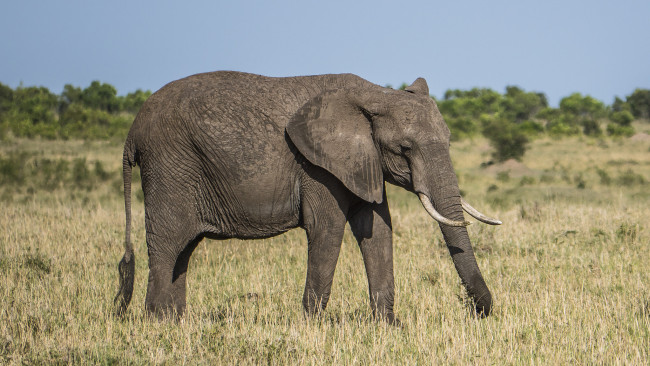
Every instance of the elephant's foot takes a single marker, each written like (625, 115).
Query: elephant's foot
(381, 303)
(165, 308)
(164, 312)
(391, 319)
(314, 304)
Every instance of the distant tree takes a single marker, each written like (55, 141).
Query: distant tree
(614, 129)
(71, 94)
(577, 111)
(32, 112)
(591, 127)
(101, 96)
(622, 123)
(450, 94)
(620, 105)
(519, 106)
(580, 106)
(132, 102)
(507, 139)
(462, 110)
(6, 103)
(639, 102)
(36, 104)
(6, 99)
(622, 118)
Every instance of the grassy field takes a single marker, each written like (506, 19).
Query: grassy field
(568, 269)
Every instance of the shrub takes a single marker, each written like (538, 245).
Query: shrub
(12, 169)
(614, 129)
(49, 174)
(462, 127)
(630, 178)
(562, 124)
(81, 176)
(623, 118)
(639, 102)
(605, 179)
(100, 172)
(591, 127)
(531, 128)
(526, 181)
(506, 138)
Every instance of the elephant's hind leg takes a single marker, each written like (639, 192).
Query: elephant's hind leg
(173, 231)
(166, 291)
(179, 276)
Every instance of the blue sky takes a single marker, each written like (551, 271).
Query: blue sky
(600, 48)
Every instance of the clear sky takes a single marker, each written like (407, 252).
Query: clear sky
(600, 48)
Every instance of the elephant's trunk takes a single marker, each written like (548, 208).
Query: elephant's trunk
(462, 254)
(440, 184)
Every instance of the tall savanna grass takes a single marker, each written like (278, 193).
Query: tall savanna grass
(568, 269)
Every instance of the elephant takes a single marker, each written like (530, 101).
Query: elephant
(235, 155)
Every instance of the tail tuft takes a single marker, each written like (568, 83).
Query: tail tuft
(127, 275)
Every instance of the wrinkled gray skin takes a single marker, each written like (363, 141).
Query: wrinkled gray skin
(234, 155)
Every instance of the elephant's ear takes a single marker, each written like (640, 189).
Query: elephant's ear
(335, 134)
(419, 86)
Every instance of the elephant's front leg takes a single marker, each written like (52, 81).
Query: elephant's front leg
(372, 228)
(323, 253)
(324, 221)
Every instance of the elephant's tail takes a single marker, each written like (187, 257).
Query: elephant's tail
(127, 264)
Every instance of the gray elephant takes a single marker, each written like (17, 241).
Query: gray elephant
(235, 155)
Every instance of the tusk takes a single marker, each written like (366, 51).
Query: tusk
(477, 215)
(426, 202)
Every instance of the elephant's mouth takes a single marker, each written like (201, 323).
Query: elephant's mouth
(428, 206)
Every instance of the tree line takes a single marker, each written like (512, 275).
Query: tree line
(508, 120)
(511, 119)
(94, 112)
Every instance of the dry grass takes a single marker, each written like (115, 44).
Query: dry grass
(568, 272)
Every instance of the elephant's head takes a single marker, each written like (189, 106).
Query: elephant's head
(368, 135)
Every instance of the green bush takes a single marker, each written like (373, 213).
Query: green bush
(614, 129)
(519, 106)
(639, 103)
(591, 127)
(12, 169)
(605, 179)
(508, 140)
(578, 106)
(531, 128)
(630, 178)
(561, 128)
(81, 175)
(462, 127)
(49, 174)
(623, 118)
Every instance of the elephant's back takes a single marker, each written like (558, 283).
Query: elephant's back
(242, 115)
(223, 97)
